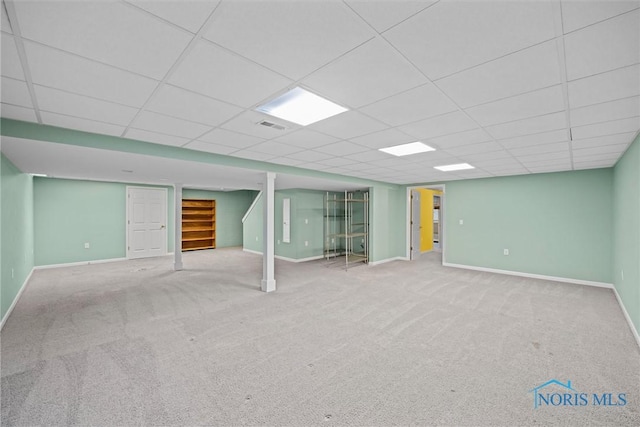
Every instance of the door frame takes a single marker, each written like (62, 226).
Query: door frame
(443, 207)
(127, 223)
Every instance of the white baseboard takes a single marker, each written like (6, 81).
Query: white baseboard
(15, 300)
(73, 264)
(532, 276)
(283, 258)
(311, 258)
(251, 251)
(383, 261)
(634, 331)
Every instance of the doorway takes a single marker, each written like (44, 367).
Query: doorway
(146, 222)
(425, 220)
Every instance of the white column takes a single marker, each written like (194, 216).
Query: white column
(177, 226)
(268, 262)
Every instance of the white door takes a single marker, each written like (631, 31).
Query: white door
(146, 222)
(415, 224)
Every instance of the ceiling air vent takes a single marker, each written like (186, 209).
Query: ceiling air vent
(272, 125)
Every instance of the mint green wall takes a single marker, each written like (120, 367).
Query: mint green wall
(69, 213)
(626, 230)
(306, 225)
(230, 208)
(252, 228)
(555, 224)
(387, 222)
(16, 240)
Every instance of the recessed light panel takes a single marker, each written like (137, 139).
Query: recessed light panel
(407, 149)
(301, 107)
(456, 167)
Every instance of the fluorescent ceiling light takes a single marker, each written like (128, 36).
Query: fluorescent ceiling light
(301, 107)
(407, 149)
(456, 167)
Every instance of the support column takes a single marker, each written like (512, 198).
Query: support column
(268, 283)
(177, 226)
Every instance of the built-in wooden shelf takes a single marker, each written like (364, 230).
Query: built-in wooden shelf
(198, 224)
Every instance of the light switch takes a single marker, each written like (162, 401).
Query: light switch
(461, 222)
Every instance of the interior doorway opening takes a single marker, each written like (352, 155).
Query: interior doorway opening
(425, 220)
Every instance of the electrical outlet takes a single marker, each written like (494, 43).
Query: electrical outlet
(86, 245)
(256, 238)
(461, 222)
(306, 243)
(12, 273)
(506, 251)
(306, 220)
(621, 274)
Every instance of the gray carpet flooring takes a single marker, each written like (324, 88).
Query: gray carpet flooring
(403, 343)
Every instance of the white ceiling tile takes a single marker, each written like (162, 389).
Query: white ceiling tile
(555, 157)
(15, 92)
(606, 128)
(498, 164)
(560, 161)
(215, 72)
(309, 156)
(440, 125)
(315, 166)
(610, 150)
(368, 156)
(155, 122)
(474, 136)
(57, 101)
(183, 104)
(231, 139)
(543, 101)
(503, 154)
(579, 14)
(369, 73)
(18, 113)
(539, 149)
(535, 139)
(544, 123)
(594, 164)
(383, 15)
(604, 87)
(6, 25)
(338, 162)
(620, 138)
(110, 33)
(85, 125)
(305, 138)
(348, 125)
(619, 109)
(342, 148)
(247, 123)
(410, 106)
(292, 38)
(210, 148)
(481, 147)
(156, 138)
(253, 155)
(451, 36)
(187, 14)
(275, 148)
(11, 66)
(358, 166)
(589, 157)
(526, 70)
(53, 68)
(384, 138)
(519, 170)
(547, 169)
(611, 44)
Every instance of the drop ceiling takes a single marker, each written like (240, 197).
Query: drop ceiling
(509, 87)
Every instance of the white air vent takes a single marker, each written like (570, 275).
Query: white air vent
(271, 125)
